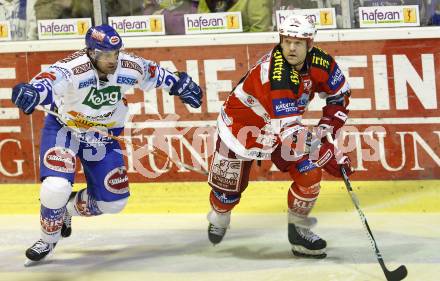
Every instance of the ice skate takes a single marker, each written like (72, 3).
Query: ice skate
(39, 252)
(216, 233)
(305, 243)
(218, 224)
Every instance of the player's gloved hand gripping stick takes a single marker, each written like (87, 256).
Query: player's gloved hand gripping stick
(395, 275)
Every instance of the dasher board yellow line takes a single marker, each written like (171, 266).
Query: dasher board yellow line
(260, 197)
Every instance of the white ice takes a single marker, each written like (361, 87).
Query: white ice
(175, 247)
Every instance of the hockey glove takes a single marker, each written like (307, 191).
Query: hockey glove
(187, 90)
(330, 158)
(333, 118)
(26, 97)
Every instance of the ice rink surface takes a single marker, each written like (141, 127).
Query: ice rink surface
(175, 247)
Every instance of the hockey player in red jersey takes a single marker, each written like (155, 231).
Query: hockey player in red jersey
(261, 119)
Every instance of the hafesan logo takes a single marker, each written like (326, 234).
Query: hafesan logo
(63, 28)
(138, 25)
(323, 18)
(389, 16)
(213, 23)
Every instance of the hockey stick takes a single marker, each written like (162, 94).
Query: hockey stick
(395, 275)
(105, 134)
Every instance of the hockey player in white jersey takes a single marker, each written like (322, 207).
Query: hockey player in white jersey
(88, 88)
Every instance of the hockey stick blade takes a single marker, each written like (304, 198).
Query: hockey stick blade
(397, 274)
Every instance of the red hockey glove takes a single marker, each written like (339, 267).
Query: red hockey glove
(333, 118)
(331, 159)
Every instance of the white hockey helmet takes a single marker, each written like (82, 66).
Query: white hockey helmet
(298, 26)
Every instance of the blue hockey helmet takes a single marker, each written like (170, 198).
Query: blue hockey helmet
(104, 38)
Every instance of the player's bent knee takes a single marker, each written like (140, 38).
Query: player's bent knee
(306, 178)
(55, 192)
(112, 207)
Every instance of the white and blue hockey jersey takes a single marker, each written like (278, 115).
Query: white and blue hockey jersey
(73, 88)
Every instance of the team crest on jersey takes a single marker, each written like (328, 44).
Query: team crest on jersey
(107, 96)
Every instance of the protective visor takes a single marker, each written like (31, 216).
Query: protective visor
(106, 56)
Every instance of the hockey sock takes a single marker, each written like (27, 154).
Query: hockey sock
(300, 200)
(83, 204)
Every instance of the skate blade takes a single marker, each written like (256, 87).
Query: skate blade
(303, 255)
(30, 263)
(45, 260)
(303, 252)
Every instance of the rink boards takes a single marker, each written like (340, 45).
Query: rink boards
(260, 197)
(391, 134)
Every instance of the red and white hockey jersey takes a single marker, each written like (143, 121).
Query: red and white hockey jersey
(271, 96)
